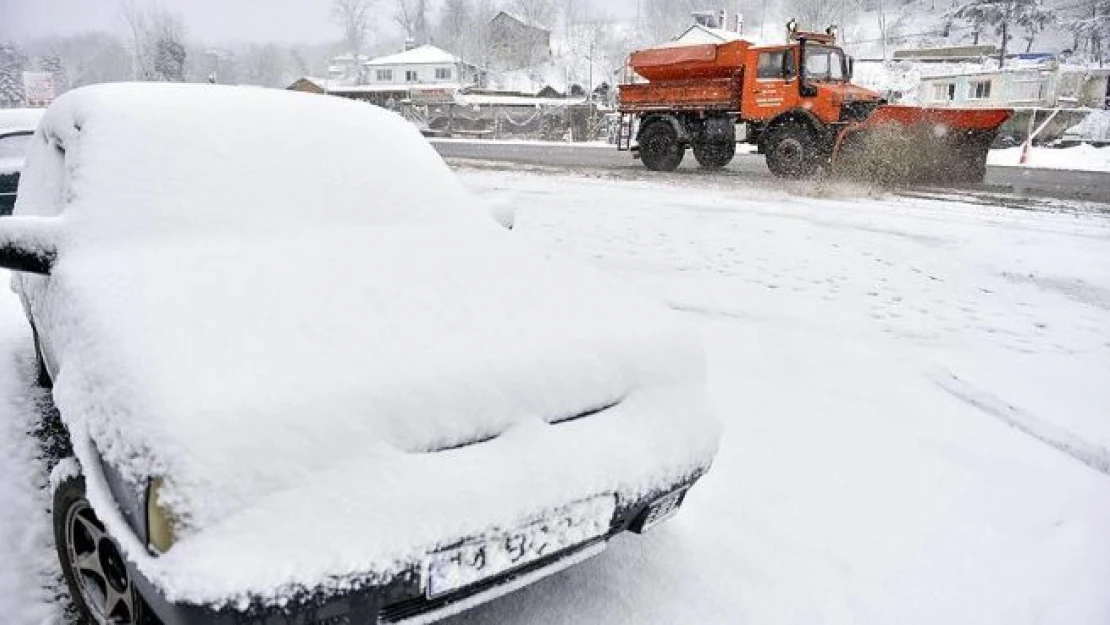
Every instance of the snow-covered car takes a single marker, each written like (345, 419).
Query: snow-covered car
(302, 372)
(16, 128)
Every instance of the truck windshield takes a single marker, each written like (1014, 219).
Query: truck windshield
(823, 64)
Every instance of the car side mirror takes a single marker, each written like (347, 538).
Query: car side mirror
(851, 68)
(28, 244)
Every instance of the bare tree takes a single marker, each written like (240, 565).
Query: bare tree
(816, 14)
(12, 63)
(157, 37)
(412, 17)
(168, 45)
(455, 20)
(354, 17)
(535, 12)
(87, 58)
(1004, 15)
(464, 29)
(1091, 28)
(135, 19)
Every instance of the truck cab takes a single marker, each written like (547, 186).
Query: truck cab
(811, 74)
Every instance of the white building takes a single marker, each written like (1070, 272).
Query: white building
(425, 65)
(421, 75)
(698, 34)
(1048, 88)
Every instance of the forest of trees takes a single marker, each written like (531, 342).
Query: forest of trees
(154, 43)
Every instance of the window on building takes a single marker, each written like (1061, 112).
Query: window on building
(443, 73)
(944, 92)
(979, 90)
(385, 75)
(410, 75)
(770, 65)
(1026, 91)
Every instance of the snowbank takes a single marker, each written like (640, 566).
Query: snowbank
(1080, 157)
(1094, 127)
(266, 315)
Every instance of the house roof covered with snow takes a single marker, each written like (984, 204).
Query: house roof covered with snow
(701, 35)
(506, 15)
(423, 55)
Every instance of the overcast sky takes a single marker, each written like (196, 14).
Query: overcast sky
(284, 21)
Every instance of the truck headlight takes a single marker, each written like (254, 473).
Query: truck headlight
(159, 521)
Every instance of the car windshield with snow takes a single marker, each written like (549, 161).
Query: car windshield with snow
(301, 371)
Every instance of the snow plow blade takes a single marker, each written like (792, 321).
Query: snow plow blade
(900, 144)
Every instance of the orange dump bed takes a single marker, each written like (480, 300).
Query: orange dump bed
(695, 62)
(722, 94)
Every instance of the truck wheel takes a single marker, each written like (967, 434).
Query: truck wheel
(659, 147)
(791, 151)
(92, 563)
(714, 155)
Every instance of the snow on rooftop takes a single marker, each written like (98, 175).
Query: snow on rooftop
(423, 55)
(522, 20)
(700, 35)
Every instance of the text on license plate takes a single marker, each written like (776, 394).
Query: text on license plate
(474, 561)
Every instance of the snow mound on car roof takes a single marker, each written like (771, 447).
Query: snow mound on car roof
(163, 159)
(255, 289)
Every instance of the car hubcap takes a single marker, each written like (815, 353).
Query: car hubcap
(98, 568)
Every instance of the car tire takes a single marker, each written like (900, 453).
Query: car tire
(660, 149)
(99, 583)
(791, 151)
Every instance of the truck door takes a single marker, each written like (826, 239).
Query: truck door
(773, 87)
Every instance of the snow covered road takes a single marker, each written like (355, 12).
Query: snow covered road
(857, 347)
(914, 394)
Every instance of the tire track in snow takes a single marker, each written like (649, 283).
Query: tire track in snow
(1094, 456)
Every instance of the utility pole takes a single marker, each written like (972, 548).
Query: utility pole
(762, 21)
(883, 29)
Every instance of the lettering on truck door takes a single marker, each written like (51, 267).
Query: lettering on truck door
(774, 86)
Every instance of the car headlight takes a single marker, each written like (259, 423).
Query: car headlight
(159, 521)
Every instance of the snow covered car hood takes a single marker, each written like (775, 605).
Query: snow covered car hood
(254, 290)
(236, 368)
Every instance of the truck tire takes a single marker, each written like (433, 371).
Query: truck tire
(791, 150)
(660, 149)
(714, 155)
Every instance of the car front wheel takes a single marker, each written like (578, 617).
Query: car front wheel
(92, 563)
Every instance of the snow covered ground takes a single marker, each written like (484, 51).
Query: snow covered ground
(1080, 157)
(29, 573)
(913, 391)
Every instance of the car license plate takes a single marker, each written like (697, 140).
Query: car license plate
(476, 560)
(663, 509)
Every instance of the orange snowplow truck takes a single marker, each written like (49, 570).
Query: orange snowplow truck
(799, 107)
